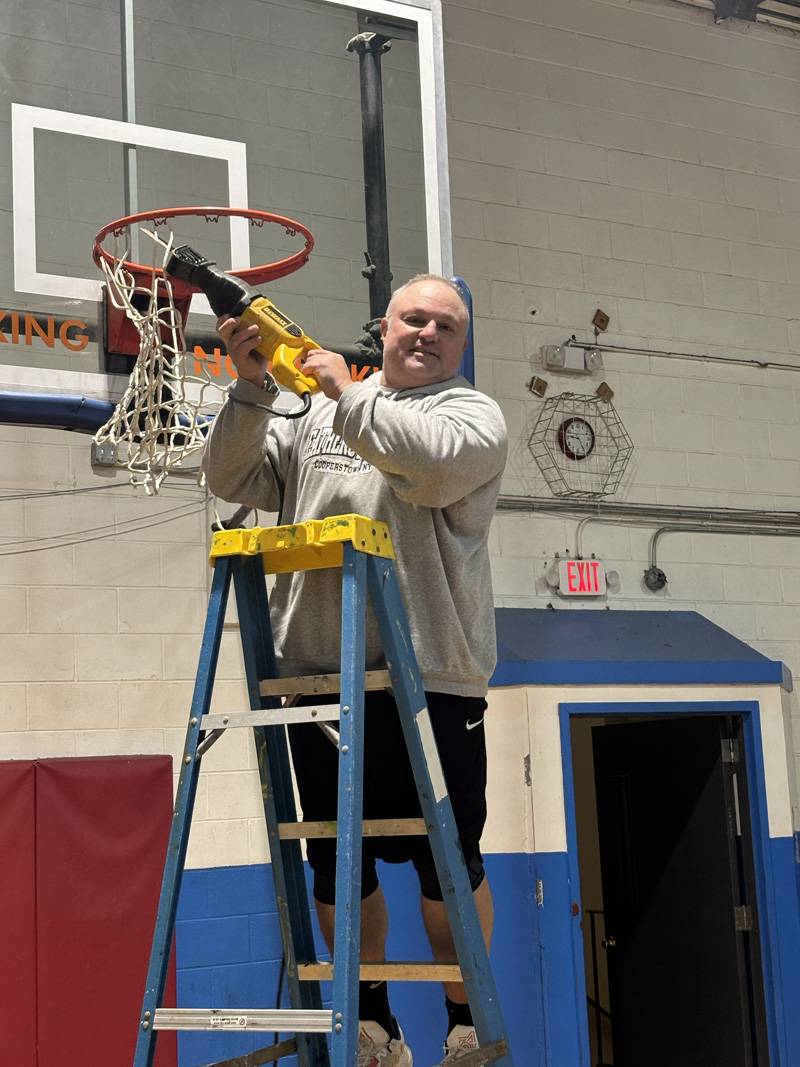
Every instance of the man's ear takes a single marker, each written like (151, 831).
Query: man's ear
(384, 326)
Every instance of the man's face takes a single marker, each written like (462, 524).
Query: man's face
(424, 335)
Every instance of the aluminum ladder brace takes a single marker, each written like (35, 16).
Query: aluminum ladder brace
(362, 548)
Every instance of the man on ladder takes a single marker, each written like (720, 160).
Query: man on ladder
(422, 450)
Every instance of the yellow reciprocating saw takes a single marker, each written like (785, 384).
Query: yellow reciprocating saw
(283, 342)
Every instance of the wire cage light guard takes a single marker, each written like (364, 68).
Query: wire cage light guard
(591, 476)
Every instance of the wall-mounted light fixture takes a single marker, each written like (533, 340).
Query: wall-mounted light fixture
(574, 356)
(571, 357)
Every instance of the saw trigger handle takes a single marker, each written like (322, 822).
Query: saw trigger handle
(285, 371)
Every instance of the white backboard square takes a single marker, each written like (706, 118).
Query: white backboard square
(26, 120)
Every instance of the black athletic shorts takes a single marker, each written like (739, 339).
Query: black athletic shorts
(389, 788)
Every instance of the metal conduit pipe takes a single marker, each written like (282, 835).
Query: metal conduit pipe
(689, 520)
(700, 357)
(609, 520)
(655, 578)
(653, 514)
(761, 531)
(754, 530)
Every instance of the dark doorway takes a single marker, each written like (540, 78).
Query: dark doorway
(679, 948)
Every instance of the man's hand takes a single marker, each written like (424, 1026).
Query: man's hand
(329, 369)
(241, 342)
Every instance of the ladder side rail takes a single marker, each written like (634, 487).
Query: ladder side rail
(182, 816)
(347, 925)
(436, 807)
(272, 753)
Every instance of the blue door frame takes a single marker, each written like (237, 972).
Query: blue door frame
(779, 987)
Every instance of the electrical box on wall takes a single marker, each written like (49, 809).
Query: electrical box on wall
(563, 357)
(571, 358)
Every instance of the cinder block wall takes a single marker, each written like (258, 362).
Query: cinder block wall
(100, 634)
(635, 157)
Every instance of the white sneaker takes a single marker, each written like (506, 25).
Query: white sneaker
(460, 1041)
(377, 1049)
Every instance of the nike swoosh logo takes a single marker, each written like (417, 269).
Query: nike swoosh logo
(472, 725)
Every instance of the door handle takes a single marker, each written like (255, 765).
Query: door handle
(609, 942)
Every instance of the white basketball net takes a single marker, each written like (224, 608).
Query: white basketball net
(164, 414)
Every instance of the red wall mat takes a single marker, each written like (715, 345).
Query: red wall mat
(17, 915)
(103, 826)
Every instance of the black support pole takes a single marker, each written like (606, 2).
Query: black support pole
(369, 48)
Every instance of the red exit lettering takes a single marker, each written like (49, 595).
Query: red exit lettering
(581, 577)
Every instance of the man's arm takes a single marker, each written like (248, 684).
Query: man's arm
(247, 454)
(430, 457)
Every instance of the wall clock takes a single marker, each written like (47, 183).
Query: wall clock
(576, 438)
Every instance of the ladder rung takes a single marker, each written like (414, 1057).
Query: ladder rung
(292, 831)
(271, 717)
(309, 684)
(262, 1055)
(424, 971)
(288, 1020)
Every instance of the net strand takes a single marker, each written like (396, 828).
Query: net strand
(166, 410)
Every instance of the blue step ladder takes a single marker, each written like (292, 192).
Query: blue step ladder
(362, 548)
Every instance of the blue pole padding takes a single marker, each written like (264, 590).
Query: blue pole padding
(80, 413)
(467, 366)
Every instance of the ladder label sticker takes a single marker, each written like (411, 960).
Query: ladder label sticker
(228, 1022)
(431, 754)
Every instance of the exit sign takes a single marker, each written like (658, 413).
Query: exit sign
(581, 577)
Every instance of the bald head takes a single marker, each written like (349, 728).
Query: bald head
(417, 279)
(424, 333)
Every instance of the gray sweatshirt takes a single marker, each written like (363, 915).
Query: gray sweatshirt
(427, 462)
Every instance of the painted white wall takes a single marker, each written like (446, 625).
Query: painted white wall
(541, 714)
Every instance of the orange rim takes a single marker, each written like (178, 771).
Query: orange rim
(264, 272)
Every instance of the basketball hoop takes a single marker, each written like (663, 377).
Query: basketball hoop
(122, 338)
(165, 412)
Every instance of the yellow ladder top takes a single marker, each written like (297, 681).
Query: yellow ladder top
(303, 546)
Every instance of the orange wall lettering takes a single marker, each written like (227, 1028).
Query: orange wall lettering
(32, 326)
(10, 332)
(79, 341)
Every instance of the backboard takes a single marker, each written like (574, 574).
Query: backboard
(241, 104)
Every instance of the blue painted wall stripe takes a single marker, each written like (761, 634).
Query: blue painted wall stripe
(219, 967)
(533, 956)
